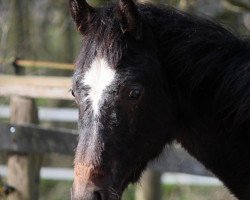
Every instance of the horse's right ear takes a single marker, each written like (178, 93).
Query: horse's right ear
(82, 14)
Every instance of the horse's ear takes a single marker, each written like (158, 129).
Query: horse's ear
(82, 14)
(129, 18)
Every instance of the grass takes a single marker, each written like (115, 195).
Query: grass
(55, 190)
(60, 190)
(129, 194)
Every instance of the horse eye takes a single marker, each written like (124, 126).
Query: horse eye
(73, 93)
(134, 94)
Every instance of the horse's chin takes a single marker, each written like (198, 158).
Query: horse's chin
(131, 178)
(114, 195)
(116, 192)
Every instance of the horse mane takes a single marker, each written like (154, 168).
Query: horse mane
(208, 63)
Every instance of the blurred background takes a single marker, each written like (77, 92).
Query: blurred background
(42, 30)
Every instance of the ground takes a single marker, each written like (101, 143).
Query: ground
(55, 190)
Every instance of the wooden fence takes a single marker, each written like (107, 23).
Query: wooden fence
(26, 143)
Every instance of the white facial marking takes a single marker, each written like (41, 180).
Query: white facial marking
(98, 78)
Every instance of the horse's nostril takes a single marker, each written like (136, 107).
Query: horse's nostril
(98, 195)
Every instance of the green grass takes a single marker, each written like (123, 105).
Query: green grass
(55, 190)
(60, 190)
(129, 193)
(187, 192)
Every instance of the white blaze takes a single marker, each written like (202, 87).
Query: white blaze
(98, 78)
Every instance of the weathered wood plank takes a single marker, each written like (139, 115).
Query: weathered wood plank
(39, 64)
(36, 87)
(45, 64)
(24, 169)
(32, 139)
(150, 186)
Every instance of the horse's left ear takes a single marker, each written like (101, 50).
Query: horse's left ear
(81, 13)
(129, 18)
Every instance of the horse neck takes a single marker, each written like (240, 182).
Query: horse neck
(207, 70)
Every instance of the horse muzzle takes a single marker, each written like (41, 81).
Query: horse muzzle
(92, 183)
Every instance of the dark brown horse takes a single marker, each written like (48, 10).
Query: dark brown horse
(147, 76)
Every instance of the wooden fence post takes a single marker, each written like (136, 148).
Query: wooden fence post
(23, 169)
(150, 186)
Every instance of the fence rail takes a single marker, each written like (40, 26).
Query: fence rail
(33, 139)
(39, 64)
(36, 87)
(45, 64)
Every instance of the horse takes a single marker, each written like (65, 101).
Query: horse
(148, 75)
